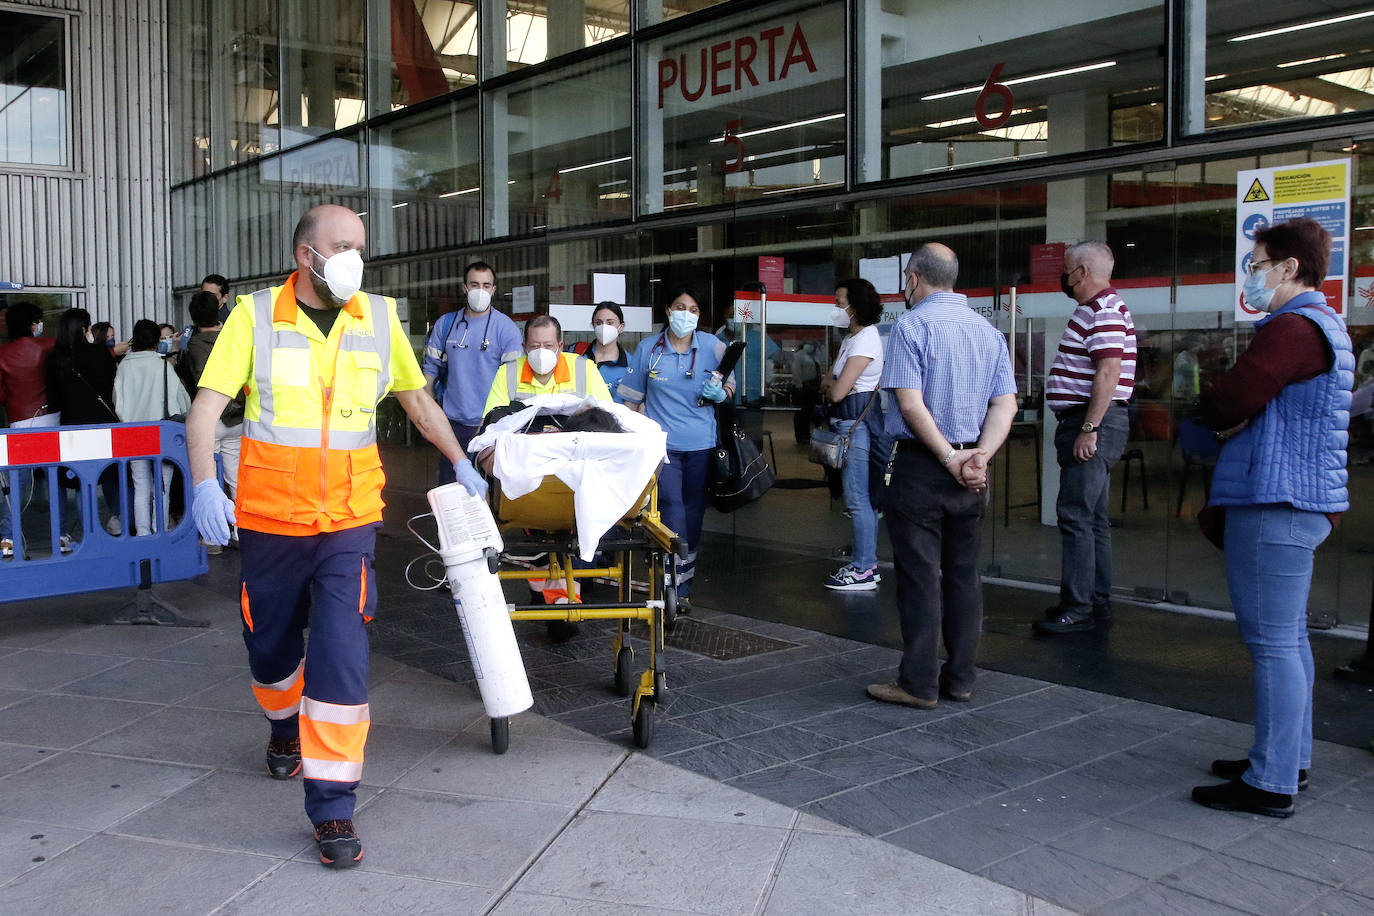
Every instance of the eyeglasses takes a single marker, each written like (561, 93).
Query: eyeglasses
(1256, 266)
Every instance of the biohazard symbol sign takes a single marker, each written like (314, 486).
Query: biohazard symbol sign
(1256, 193)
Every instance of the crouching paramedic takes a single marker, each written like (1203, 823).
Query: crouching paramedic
(315, 356)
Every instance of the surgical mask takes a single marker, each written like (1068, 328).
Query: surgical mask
(38, 331)
(164, 346)
(839, 317)
(343, 273)
(542, 361)
(682, 323)
(479, 300)
(1257, 295)
(606, 333)
(89, 338)
(1065, 285)
(110, 342)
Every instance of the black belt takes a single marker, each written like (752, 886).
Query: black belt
(916, 445)
(1116, 402)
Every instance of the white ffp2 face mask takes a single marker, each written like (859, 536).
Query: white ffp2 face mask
(343, 273)
(542, 361)
(839, 317)
(606, 333)
(479, 300)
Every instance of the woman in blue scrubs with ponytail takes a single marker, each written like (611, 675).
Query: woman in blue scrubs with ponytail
(668, 374)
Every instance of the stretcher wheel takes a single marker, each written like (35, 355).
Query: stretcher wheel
(500, 734)
(660, 687)
(644, 724)
(669, 607)
(624, 679)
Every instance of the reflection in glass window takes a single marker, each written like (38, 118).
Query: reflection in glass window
(560, 149)
(746, 109)
(33, 90)
(188, 90)
(543, 29)
(323, 80)
(971, 82)
(425, 181)
(245, 46)
(1301, 60)
(432, 49)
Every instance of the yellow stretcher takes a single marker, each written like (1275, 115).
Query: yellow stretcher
(542, 521)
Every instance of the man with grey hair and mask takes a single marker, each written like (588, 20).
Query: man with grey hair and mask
(1088, 387)
(463, 352)
(314, 356)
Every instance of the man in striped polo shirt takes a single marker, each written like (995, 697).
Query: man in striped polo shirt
(1088, 388)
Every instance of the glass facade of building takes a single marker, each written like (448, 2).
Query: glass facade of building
(681, 143)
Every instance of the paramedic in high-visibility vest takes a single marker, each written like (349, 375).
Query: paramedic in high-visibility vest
(315, 355)
(545, 369)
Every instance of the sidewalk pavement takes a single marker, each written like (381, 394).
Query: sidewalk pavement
(131, 781)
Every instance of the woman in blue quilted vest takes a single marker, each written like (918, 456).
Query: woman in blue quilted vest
(1282, 412)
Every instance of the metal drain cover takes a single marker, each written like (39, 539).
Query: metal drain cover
(717, 642)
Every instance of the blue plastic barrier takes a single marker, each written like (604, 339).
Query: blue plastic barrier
(99, 560)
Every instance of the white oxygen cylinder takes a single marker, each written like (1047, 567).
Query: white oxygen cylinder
(467, 535)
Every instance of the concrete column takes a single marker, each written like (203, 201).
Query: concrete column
(496, 164)
(1073, 212)
(491, 37)
(649, 159)
(868, 77)
(566, 26)
(1193, 50)
(379, 57)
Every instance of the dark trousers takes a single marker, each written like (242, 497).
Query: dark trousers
(682, 503)
(936, 530)
(464, 434)
(1085, 533)
(323, 582)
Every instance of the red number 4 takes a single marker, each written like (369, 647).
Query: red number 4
(554, 191)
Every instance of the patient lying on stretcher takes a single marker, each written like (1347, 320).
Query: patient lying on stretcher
(585, 419)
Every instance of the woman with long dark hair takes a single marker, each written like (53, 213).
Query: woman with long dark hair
(81, 388)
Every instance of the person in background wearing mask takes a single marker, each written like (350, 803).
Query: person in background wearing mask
(1088, 388)
(81, 387)
(544, 369)
(219, 286)
(168, 342)
(806, 389)
(1283, 412)
(102, 332)
(24, 393)
(229, 430)
(668, 375)
(462, 354)
(148, 389)
(610, 357)
(853, 395)
(310, 501)
(747, 369)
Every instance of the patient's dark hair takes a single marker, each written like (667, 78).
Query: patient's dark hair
(592, 420)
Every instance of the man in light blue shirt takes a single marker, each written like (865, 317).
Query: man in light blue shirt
(950, 376)
(462, 354)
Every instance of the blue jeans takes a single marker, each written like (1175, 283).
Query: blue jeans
(1085, 534)
(464, 434)
(682, 504)
(1269, 573)
(854, 475)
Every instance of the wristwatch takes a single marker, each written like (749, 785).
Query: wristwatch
(1089, 428)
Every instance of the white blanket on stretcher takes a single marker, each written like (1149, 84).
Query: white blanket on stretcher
(607, 472)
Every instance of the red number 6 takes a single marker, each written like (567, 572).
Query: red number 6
(992, 88)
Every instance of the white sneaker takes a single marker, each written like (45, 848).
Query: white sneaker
(64, 544)
(112, 525)
(6, 549)
(849, 579)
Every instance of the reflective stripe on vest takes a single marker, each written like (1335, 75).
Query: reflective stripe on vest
(513, 380)
(268, 341)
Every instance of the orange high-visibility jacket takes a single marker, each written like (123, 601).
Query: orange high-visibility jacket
(309, 461)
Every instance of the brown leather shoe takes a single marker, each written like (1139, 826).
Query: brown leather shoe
(891, 693)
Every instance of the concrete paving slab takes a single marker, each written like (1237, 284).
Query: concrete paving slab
(1154, 899)
(791, 784)
(1078, 883)
(530, 725)
(1336, 904)
(151, 878)
(14, 757)
(535, 769)
(522, 904)
(438, 705)
(1314, 858)
(823, 875)
(128, 641)
(303, 889)
(25, 845)
(949, 838)
(1183, 819)
(238, 811)
(234, 694)
(647, 786)
(1128, 849)
(90, 791)
(182, 734)
(474, 841)
(51, 720)
(207, 647)
(9, 696)
(152, 681)
(1342, 823)
(40, 669)
(1235, 882)
(641, 859)
(393, 751)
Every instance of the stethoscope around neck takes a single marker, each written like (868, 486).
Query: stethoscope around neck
(661, 347)
(463, 342)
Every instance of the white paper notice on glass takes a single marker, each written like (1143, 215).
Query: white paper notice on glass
(608, 288)
(884, 273)
(522, 299)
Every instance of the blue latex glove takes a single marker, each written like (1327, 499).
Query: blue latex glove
(713, 390)
(213, 512)
(471, 478)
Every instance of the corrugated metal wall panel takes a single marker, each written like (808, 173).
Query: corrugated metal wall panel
(103, 229)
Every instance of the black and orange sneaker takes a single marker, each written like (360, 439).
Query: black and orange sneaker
(283, 757)
(339, 844)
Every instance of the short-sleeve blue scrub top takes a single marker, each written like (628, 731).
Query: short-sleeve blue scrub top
(669, 383)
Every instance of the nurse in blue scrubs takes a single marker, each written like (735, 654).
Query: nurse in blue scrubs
(667, 375)
(610, 358)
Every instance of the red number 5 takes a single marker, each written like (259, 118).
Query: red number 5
(731, 139)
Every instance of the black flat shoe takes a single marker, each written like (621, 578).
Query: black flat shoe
(1064, 623)
(1241, 796)
(1235, 769)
